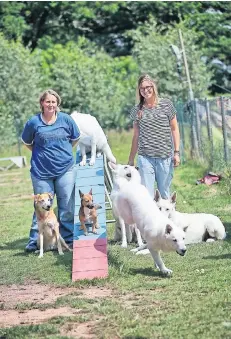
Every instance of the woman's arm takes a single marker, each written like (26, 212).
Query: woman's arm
(176, 140)
(134, 146)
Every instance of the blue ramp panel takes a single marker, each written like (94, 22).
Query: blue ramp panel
(90, 177)
(90, 252)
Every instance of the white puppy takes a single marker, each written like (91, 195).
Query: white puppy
(121, 231)
(201, 226)
(92, 138)
(135, 205)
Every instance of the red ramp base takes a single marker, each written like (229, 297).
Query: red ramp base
(89, 259)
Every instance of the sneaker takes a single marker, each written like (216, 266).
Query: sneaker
(30, 249)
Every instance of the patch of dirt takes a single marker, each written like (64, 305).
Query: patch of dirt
(79, 330)
(92, 293)
(130, 301)
(39, 294)
(31, 317)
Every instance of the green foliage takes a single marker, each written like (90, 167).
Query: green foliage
(154, 55)
(90, 81)
(42, 24)
(19, 90)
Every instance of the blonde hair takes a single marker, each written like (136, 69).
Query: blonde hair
(140, 98)
(44, 95)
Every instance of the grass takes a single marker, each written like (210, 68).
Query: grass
(194, 303)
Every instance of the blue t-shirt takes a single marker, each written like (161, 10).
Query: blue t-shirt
(52, 145)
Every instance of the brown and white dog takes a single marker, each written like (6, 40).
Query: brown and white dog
(48, 226)
(88, 212)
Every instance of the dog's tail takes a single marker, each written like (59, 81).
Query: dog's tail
(108, 153)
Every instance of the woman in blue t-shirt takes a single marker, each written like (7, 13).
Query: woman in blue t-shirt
(50, 135)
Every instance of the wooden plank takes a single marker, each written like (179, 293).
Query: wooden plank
(96, 274)
(95, 188)
(89, 264)
(90, 172)
(87, 243)
(91, 236)
(90, 252)
(92, 181)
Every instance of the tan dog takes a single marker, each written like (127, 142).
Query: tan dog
(88, 212)
(48, 226)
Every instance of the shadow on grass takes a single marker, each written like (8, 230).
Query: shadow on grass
(14, 245)
(151, 272)
(64, 260)
(217, 257)
(228, 231)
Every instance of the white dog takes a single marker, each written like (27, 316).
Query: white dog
(92, 138)
(122, 231)
(201, 226)
(135, 205)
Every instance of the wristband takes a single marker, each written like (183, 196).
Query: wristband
(177, 152)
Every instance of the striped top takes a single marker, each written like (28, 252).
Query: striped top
(155, 137)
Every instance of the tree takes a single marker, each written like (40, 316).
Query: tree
(42, 24)
(19, 91)
(154, 55)
(90, 81)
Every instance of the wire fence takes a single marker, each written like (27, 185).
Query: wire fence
(205, 128)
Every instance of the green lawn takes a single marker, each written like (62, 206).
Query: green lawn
(194, 303)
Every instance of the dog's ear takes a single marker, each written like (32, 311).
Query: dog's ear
(157, 196)
(80, 194)
(173, 198)
(90, 192)
(51, 196)
(185, 228)
(36, 198)
(168, 229)
(97, 206)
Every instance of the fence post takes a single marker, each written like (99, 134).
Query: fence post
(198, 128)
(194, 143)
(226, 152)
(180, 118)
(209, 131)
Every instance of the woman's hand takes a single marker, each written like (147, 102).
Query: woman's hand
(176, 159)
(131, 162)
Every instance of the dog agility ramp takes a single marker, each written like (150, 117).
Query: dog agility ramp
(90, 252)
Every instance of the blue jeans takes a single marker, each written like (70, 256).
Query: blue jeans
(156, 169)
(63, 187)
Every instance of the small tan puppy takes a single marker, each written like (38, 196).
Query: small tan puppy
(48, 226)
(88, 212)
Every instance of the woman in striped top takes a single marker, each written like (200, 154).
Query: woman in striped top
(156, 137)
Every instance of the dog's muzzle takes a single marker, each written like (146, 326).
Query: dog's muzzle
(47, 208)
(90, 206)
(181, 252)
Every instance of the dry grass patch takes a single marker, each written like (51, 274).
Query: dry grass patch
(11, 318)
